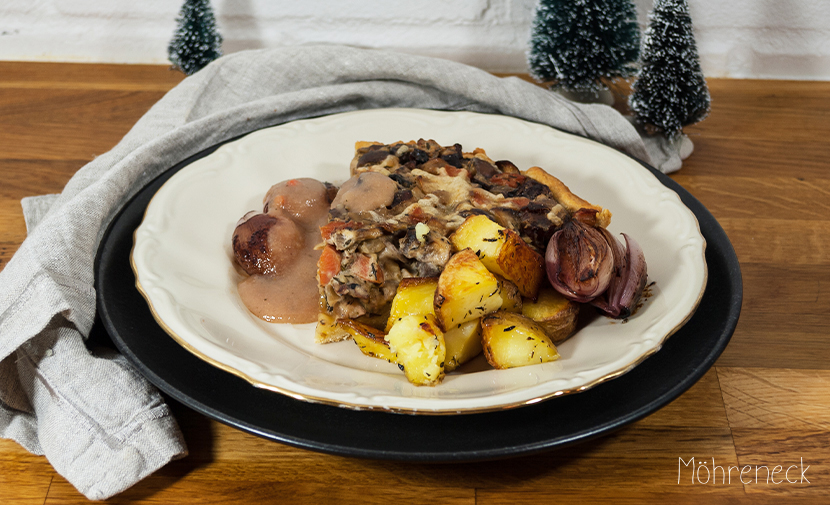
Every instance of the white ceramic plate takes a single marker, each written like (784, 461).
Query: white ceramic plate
(182, 258)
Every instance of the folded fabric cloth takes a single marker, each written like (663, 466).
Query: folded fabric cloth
(98, 421)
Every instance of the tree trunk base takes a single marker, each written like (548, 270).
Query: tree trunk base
(604, 96)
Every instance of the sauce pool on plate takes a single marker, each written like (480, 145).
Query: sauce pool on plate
(277, 249)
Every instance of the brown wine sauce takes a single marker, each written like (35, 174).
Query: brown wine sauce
(292, 297)
(278, 247)
(282, 285)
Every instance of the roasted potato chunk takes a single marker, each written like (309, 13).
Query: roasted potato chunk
(463, 343)
(466, 290)
(482, 235)
(511, 298)
(503, 252)
(415, 296)
(370, 340)
(512, 340)
(418, 343)
(553, 312)
(327, 330)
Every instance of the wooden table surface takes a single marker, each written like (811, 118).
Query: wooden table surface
(761, 167)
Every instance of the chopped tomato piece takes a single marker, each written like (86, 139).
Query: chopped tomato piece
(329, 228)
(519, 201)
(452, 172)
(367, 269)
(479, 198)
(509, 180)
(418, 215)
(329, 265)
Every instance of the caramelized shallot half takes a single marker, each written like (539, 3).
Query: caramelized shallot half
(631, 274)
(586, 263)
(579, 261)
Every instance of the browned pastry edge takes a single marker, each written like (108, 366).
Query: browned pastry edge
(563, 195)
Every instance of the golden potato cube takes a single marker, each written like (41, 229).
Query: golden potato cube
(483, 236)
(520, 264)
(553, 312)
(418, 343)
(512, 340)
(415, 296)
(463, 343)
(503, 252)
(370, 340)
(466, 290)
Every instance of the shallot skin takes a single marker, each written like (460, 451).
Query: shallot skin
(628, 284)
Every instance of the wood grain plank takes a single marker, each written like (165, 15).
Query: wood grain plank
(11, 221)
(624, 497)
(24, 108)
(786, 289)
(779, 241)
(626, 463)
(24, 477)
(784, 198)
(90, 76)
(765, 341)
(7, 250)
(781, 110)
(36, 177)
(700, 406)
(73, 125)
(783, 320)
(67, 124)
(63, 143)
(776, 398)
(764, 449)
(757, 158)
(261, 490)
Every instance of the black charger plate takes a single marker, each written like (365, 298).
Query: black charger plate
(558, 422)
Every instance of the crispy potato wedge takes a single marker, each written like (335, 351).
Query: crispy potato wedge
(415, 296)
(521, 265)
(511, 298)
(418, 343)
(370, 340)
(327, 330)
(512, 340)
(466, 290)
(463, 343)
(553, 312)
(503, 252)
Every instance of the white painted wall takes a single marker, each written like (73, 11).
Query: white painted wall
(736, 38)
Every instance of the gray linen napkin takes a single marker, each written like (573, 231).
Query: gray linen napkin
(99, 422)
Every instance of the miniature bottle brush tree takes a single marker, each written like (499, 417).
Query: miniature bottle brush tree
(196, 41)
(578, 45)
(670, 92)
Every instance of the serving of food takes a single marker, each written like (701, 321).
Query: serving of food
(421, 262)
(428, 256)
